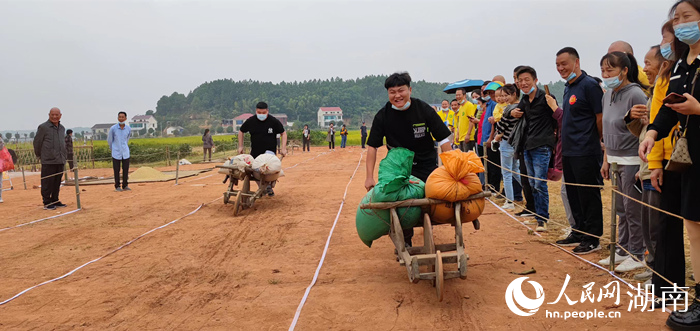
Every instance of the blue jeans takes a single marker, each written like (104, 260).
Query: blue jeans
(508, 163)
(537, 163)
(343, 140)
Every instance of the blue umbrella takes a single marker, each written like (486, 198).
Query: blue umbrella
(468, 84)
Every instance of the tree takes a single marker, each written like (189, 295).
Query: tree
(220, 129)
(151, 131)
(8, 135)
(229, 129)
(150, 112)
(17, 136)
(31, 135)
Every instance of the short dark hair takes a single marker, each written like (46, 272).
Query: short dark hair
(572, 51)
(527, 70)
(486, 83)
(397, 79)
(461, 89)
(122, 112)
(443, 100)
(261, 105)
(518, 69)
(657, 53)
(454, 100)
(69, 131)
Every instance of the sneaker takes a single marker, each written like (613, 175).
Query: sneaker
(60, 204)
(270, 192)
(508, 206)
(629, 265)
(618, 259)
(586, 248)
(1, 200)
(541, 227)
(49, 207)
(118, 189)
(524, 213)
(569, 241)
(644, 275)
(126, 189)
(530, 222)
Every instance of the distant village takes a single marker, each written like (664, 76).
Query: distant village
(147, 126)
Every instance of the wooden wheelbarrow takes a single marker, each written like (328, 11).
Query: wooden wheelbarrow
(432, 255)
(244, 198)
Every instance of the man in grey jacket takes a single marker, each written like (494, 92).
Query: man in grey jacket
(50, 148)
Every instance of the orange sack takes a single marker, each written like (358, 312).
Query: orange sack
(455, 181)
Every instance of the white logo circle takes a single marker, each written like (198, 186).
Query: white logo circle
(514, 294)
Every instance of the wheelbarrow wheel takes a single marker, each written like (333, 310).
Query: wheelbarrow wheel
(237, 205)
(439, 276)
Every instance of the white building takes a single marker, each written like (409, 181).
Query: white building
(326, 115)
(140, 122)
(170, 131)
(100, 131)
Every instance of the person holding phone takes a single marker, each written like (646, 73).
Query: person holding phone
(685, 15)
(624, 91)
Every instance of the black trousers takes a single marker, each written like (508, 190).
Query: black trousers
(70, 161)
(363, 140)
(495, 174)
(305, 144)
(124, 164)
(669, 259)
(527, 189)
(51, 186)
(585, 202)
(331, 144)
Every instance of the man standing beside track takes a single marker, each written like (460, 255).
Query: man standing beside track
(406, 122)
(50, 148)
(118, 141)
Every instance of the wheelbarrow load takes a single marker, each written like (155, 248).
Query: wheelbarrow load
(424, 262)
(395, 183)
(265, 170)
(454, 181)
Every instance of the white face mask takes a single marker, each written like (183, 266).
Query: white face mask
(444, 109)
(408, 104)
(122, 123)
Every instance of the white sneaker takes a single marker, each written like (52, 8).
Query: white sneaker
(530, 222)
(629, 265)
(618, 259)
(508, 206)
(1, 200)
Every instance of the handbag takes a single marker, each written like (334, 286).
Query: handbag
(680, 157)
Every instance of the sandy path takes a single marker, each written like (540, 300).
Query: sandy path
(215, 271)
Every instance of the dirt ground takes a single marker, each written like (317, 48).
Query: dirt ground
(213, 271)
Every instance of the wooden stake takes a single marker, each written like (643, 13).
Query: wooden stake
(24, 179)
(613, 217)
(177, 168)
(77, 185)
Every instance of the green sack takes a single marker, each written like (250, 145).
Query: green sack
(395, 184)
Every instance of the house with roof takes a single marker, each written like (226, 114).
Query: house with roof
(326, 115)
(141, 122)
(100, 131)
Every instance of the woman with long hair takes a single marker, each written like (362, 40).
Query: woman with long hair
(624, 90)
(685, 15)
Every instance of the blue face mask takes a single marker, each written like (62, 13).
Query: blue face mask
(612, 82)
(408, 104)
(532, 89)
(667, 51)
(571, 76)
(478, 107)
(487, 98)
(261, 117)
(688, 33)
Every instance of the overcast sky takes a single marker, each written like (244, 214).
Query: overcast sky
(94, 58)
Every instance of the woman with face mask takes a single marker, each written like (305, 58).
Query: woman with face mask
(306, 139)
(620, 75)
(685, 15)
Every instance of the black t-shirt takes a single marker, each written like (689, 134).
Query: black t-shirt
(263, 134)
(411, 129)
(540, 123)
